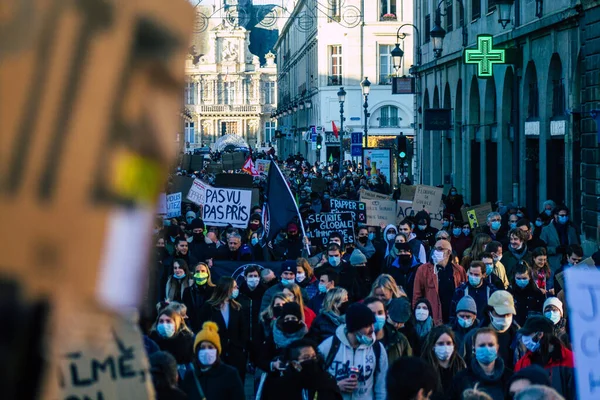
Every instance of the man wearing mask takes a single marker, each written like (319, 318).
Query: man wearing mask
(476, 287)
(558, 234)
(327, 281)
(437, 281)
(354, 358)
(235, 249)
(495, 275)
(348, 275)
(416, 246)
(198, 247)
(494, 227)
(252, 292)
(190, 216)
(404, 268)
(460, 238)
(532, 242)
(288, 276)
(574, 257)
(291, 247)
(517, 251)
(367, 247)
(499, 316)
(424, 231)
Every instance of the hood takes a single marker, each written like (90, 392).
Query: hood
(387, 228)
(422, 215)
(483, 377)
(340, 332)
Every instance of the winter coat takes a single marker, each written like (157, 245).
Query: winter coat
(403, 275)
(175, 288)
(426, 285)
(460, 244)
(561, 372)
(316, 302)
(294, 384)
(529, 300)
(309, 316)
(371, 380)
(426, 236)
(551, 236)
(324, 326)
(348, 279)
(460, 332)
(481, 296)
(250, 301)
(194, 298)
(510, 260)
(395, 343)
(268, 296)
(495, 385)
(180, 345)
(221, 382)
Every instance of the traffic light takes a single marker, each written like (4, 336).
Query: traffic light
(401, 143)
(319, 141)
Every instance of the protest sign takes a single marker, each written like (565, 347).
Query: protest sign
(370, 195)
(429, 198)
(318, 185)
(476, 215)
(582, 288)
(407, 192)
(323, 224)
(226, 206)
(174, 205)
(404, 209)
(379, 211)
(161, 208)
(357, 208)
(262, 166)
(197, 193)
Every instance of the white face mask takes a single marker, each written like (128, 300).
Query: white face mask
(502, 323)
(391, 236)
(252, 282)
(443, 352)
(300, 277)
(437, 257)
(421, 314)
(207, 356)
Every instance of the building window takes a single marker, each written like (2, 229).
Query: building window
(190, 134)
(388, 117)
(427, 27)
(491, 5)
(270, 93)
(558, 98)
(228, 92)
(533, 110)
(191, 90)
(388, 10)
(335, 65)
(449, 17)
(475, 9)
(269, 131)
(386, 67)
(334, 10)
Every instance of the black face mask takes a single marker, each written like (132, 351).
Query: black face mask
(291, 326)
(363, 239)
(198, 237)
(277, 311)
(343, 307)
(405, 259)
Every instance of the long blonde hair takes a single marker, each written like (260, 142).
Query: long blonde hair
(333, 299)
(209, 282)
(295, 289)
(268, 312)
(385, 281)
(180, 325)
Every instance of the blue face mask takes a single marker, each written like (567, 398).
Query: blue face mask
(486, 355)
(496, 225)
(322, 288)
(254, 241)
(465, 323)
(563, 219)
(474, 280)
(456, 231)
(445, 224)
(522, 283)
(166, 330)
(235, 293)
(371, 236)
(489, 268)
(379, 322)
(466, 232)
(334, 261)
(513, 225)
(286, 281)
(364, 339)
(538, 223)
(548, 212)
(453, 192)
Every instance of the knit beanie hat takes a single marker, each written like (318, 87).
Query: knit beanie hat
(534, 374)
(291, 308)
(554, 301)
(209, 333)
(467, 303)
(358, 316)
(357, 258)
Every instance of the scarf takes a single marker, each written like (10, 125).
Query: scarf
(423, 328)
(336, 319)
(368, 249)
(519, 254)
(283, 340)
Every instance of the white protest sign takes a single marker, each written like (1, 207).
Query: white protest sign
(370, 195)
(379, 211)
(197, 192)
(174, 205)
(582, 288)
(262, 166)
(430, 198)
(404, 209)
(161, 207)
(226, 206)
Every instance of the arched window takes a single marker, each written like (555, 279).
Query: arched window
(388, 117)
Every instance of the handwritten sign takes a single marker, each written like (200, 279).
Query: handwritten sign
(227, 206)
(370, 195)
(476, 215)
(262, 166)
(323, 224)
(404, 209)
(379, 211)
(429, 198)
(174, 205)
(357, 208)
(582, 288)
(197, 193)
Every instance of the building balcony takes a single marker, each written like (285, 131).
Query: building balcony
(334, 80)
(388, 17)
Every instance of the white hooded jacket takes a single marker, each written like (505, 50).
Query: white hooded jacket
(371, 384)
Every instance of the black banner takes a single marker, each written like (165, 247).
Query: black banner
(323, 224)
(357, 208)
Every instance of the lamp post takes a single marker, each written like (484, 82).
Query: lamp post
(398, 53)
(504, 7)
(366, 88)
(438, 33)
(342, 98)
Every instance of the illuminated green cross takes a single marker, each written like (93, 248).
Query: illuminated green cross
(485, 56)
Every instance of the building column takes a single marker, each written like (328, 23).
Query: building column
(426, 160)
(435, 158)
(457, 159)
(484, 136)
(468, 133)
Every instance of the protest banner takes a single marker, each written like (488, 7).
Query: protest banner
(429, 198)
(476, 215)
(379, 211)
(174, 205)
(582, 288)
(407, 192)
(357, 208)
(197, 193)
(321, 225)
(365, 194)
(161, 207)
(262, 166)
(318, 185)
(222, 207)
(404, 209)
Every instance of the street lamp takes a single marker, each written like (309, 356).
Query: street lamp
(308, 104)
(398, 53)
(301, 105)
(366, 88)
(342, 98)
(437, 34)
(504, 8)
(295, 107)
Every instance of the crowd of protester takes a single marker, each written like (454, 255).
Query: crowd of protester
(406, 311)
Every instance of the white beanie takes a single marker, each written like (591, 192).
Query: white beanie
(554, 301)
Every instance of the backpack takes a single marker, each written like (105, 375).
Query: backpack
(335, 347)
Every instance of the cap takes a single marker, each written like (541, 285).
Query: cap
(292, 227)
(537, 323)
(553, 301)
(358, 316)
(291, 308)
(197, 223)
(357, 258)
(502, 302)
(209, 333)
(467, 303)
(399, 310)
(289, 266)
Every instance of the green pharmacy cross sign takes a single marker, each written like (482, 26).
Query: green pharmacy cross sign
(485, 56)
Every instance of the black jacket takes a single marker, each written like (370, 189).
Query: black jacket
(250, 301)
(194, 298)
(529, 300)
(221, 382)
(316, 381)
(180, 345)
(201, 251)
(495, 385)
(322, 327)
(348, 279)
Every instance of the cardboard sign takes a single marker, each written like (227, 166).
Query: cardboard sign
(197, 193)
(318, 185)
(429, 198)
(582, 288)
(262, 166)
(226, 206)
(407, 192)
(476, 215)
(370, 195)
(357, 208)
(404, 209)
(379, 211)
(161, 208)
(174, 205)
(323, 224)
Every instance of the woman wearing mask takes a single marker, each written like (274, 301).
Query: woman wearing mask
(294, 293)
(178, 281)
(197, 294)
(460, 237)
(233, 323)
(423, 321)
(486, 369)
(541, 271)
(172, 335)
(331, 315)
(395, 251)
(453, 202)
(257, 250)
(553, 310)
(395, 343)
(305, 278)
(528, 298)
(386, 289)
(474, 252)
(440, 352)
(210, 378)
(271, 313)
(389, 236)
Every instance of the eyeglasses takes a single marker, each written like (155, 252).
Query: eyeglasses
(439, 248)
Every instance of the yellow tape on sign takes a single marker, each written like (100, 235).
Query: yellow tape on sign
(136, 178)
(472, 218)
